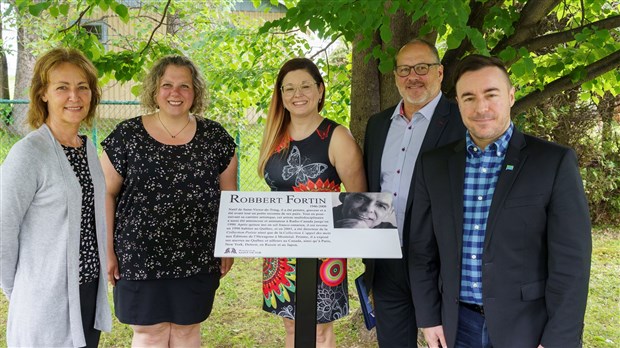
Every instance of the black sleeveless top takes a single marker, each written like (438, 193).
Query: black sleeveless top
(304, 165)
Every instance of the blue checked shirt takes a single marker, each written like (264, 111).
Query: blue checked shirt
(482, 169)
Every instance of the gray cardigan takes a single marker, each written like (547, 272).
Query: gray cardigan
(40, 211)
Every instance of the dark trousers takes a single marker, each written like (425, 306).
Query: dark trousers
(472, 330)
(396, 324)
(88, 302)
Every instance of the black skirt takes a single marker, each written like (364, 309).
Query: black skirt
(182, 301)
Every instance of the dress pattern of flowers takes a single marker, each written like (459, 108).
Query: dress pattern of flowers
(304, 166)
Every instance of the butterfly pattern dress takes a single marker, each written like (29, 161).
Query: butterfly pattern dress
(304, 166)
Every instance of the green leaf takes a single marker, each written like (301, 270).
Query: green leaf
(104, 6)
(386, 65)
(385, 31)
(123, 12)
(577, 74)
(136, 89)
(518, 69)
(477, 40)
(394, 7)
(508, 54)
(455, 39)
(36, 9)
(64, 9)
(585, 96)
(53, 11)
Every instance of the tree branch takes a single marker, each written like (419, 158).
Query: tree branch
(326, 47)
(593, 70)
(285, 32)
(554, 39)
(163, 17)
(479, 11)
(531, 15)
(77, 22)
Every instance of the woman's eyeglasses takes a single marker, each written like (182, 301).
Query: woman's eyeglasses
(305, 88)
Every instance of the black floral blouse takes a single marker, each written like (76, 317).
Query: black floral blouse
(166, 212)
(89, 254)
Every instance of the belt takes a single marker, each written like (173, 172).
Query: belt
(473, 307)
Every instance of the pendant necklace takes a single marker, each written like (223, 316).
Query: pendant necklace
(179, 132)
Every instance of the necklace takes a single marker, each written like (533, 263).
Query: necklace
(179, 132)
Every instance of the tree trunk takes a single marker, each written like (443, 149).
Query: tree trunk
(372, 91)
(4, 72)
(23, 76)
(365, 92)
(606, 109)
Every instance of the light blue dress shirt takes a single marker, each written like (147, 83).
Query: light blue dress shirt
(402, 146)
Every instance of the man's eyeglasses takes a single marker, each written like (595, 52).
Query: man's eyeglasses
(305, 88)
(420, 69)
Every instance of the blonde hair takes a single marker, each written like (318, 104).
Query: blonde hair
(150, 86)
(37, 108)
(278, 118)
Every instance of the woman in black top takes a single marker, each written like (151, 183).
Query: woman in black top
(164, 173)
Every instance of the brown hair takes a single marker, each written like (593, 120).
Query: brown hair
(37, 109)
(278, 118)
(475, 62)
(150, 86)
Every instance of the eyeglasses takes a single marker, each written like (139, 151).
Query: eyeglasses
(420, 69)
(305, 88)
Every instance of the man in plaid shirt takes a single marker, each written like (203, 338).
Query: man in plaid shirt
(500, 239)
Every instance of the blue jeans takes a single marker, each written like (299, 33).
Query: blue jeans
(472, 330)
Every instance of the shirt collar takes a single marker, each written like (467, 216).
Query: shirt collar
(499, 146)
(427, 111)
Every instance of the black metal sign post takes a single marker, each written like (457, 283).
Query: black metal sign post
(305, 302)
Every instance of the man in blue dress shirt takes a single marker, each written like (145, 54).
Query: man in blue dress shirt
(422, 120)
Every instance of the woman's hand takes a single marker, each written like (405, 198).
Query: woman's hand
(226, 265)
(113, 272)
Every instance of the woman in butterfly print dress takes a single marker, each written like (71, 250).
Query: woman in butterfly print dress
(302, 151)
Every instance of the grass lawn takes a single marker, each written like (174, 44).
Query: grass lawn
(238, 321)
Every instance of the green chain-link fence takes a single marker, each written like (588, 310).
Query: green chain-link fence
(110, 113)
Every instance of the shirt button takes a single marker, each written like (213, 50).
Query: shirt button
(473, 257)
(476, 227)
(479, 198)
(403, 149)
(394, 194)
(475, 149)
(484, 170)
(475, 285)
(409, 127)
(398, 171)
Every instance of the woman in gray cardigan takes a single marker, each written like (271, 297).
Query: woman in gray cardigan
(52, 229)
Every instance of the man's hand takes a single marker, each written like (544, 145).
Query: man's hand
(434, 337)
